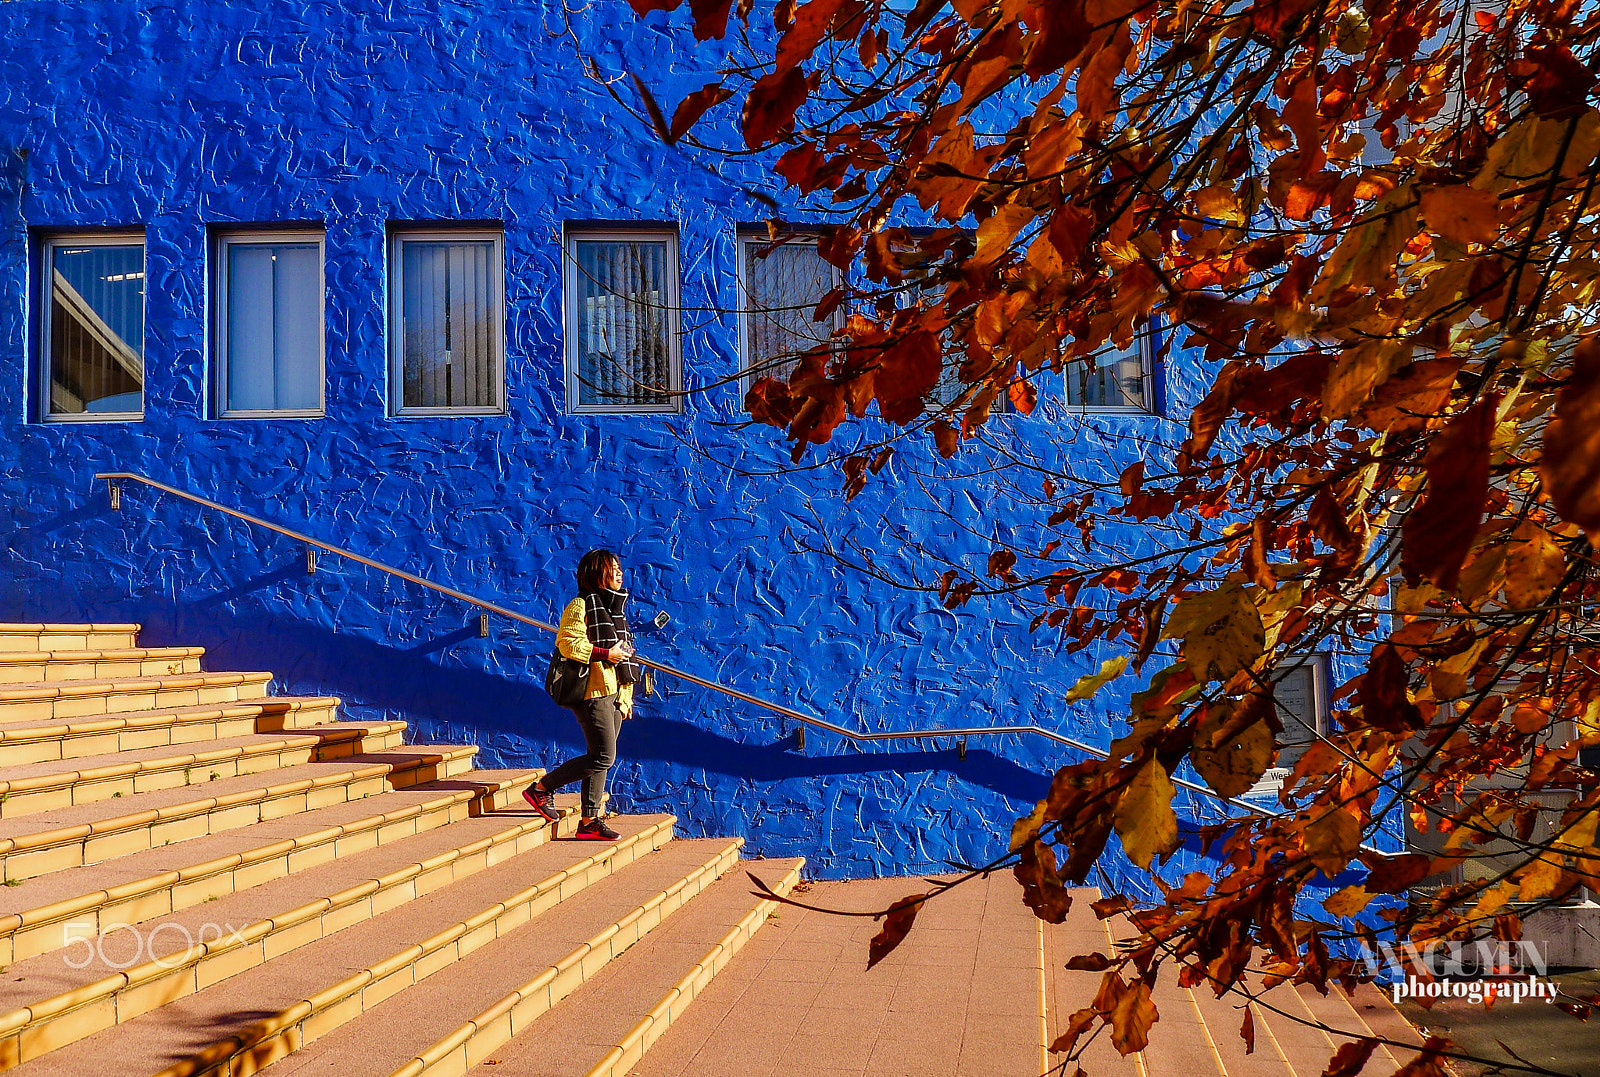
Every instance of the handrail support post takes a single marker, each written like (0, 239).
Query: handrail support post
(483, 626)
(115, 489)
(311, 560)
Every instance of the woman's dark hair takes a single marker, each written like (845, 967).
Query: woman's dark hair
(591, 567)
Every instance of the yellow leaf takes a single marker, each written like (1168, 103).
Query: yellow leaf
(1332, 840)
(1090, 683)
(1219, 203)
(1026, 829)
(1348, 902)
(1221, 630)
(1534, 566)
(1144, 817)
(1366, 256)
(1539, 879)
(996, 233)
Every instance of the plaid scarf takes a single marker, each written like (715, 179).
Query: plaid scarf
(608, 627)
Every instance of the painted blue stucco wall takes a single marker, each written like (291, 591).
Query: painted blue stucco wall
(182, 117)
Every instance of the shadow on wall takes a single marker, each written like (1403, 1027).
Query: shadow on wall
(478, 705)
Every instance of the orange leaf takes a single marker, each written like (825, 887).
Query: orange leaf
(896, 925)
(1131, 1019)
(1571, 466)
(1461, 214)
(710, 18)
(771, 105)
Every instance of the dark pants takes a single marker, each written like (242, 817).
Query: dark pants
(599, 719)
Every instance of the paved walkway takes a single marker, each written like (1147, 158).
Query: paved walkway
(959, 998)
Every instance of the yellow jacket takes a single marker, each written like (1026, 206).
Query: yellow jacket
(572, 640)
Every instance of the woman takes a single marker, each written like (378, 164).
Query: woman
(594, 629)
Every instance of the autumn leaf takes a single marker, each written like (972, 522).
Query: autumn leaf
(1348, 901)
(1247, 1031)
(1090, 683)
(771, 105)
(1234, 763)
(1332, 840)
(897, 923)
(1132, 1018)
(691, 108)
(1534, 565)
(1042, 889)
(1144, 817)
(1438, 532)
(1461, 213)
(1351, 1057)
(1221, 630)
(1571, 465)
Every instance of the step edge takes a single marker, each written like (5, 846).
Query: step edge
(642, 1036)
(476, 1032)
(209, 1058)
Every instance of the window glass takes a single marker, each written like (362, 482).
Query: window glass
(1299, 700)
(782, 286)
(94, 350)
(1118, 381)
(449, 322)
(622, 351)
(272, 326)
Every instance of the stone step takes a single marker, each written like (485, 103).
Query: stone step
(23, 667)
(477, 1003)
(610, 1022)
(36, 787)
(43, 913)
(62, 637)
(40, 740)
(86, 834)
(78, 699)
(97, 981)
(265, 1013)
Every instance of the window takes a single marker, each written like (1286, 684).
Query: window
(447, 322)
(1119, 382)
(269, 324)
(1301, 695)
(621, 321)
(779, 288)
(92, 336)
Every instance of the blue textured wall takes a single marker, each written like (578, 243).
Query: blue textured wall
(182, 116)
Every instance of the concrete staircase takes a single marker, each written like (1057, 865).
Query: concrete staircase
(204, 880)
(201, 879)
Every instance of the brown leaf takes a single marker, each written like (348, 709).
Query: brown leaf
(1042, 889)
(896, 925)
(1332, 840)
(1383, 692)
(1144, 817)
(1461, 214)
(1534, 566)
(1247, 1031)
(1132, 1017)
(1392, 874)
(1349, 1059)
(1437, 533)
(710, 18)
(1235, 763)
(1571, 465)
(1096, 962)
(694, 106)
(806, 33)
(771, 104)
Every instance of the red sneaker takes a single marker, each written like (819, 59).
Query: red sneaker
(595, 830)
(542, 802)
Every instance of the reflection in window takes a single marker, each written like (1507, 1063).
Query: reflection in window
(271, 324)
(782, 285)
(621, 345)
(447, 321)
(1118, 381)
(94, 355)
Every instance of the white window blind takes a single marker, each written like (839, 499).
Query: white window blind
(449, 322)
(94, 327)
(1118, 381)
(622, 347)
(271, 326)
(782, 285)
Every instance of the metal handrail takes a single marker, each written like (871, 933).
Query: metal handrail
(114, 477)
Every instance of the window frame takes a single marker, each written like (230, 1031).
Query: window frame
(1144, 343)
(262, 237)
(395, 278)
(744, 239)
(46, 248)
(1319, 664)
(570, 238)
